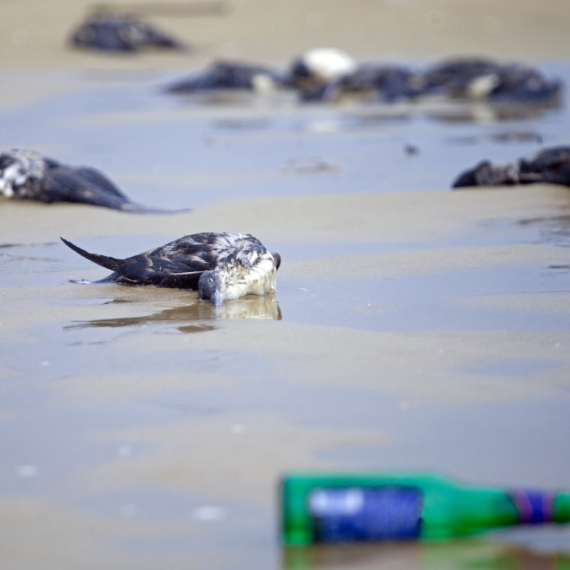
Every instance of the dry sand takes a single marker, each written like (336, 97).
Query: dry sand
(33, 32)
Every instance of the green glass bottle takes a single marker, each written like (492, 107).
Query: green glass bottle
(348, 507)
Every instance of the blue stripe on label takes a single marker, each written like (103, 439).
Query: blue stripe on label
(534, 506)
(361, 514)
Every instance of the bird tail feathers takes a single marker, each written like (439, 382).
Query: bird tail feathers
(108, 262)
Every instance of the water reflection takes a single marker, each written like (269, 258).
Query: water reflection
(554, 230)
(483, 112)
(195, 317)
(505, 137)
(19, 258)
(379, 115)
(328, 118)
(361, 556)
(238, 98)
(240, 124)
(14, 255)
(6, 245)
(454, 555)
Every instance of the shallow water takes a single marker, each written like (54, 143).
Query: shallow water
(414, 327)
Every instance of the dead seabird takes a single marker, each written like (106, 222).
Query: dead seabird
(221, 266)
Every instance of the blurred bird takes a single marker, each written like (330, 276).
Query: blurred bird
(386, 83)
(550, 165)
(479, 78)
(229, 75)
(110, 31)
(27, 175)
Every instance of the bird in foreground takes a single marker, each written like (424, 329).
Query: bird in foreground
(27, 175)
(550, 165)
(220, 266)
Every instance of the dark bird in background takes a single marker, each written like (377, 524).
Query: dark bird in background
(220, 266)
(330, 75)
(111, 31)
(549, 165)
(27, 175)
(229, 75)
(479, 78)
(386, 83)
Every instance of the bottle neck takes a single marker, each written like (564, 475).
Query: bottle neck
(536, 506)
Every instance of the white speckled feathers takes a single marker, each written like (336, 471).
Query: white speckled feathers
(21, 172)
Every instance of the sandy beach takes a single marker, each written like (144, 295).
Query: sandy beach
(414, 327)
(34, 31)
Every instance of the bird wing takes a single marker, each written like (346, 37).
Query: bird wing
(99, 179)
(68, 184)
(177, 265)
(180, 263)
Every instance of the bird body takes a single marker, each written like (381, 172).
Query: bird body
(27, 175)
(550, 165)
(229, 75)
(221, 266)
(386, 83)
(120, 32)
(480, 78)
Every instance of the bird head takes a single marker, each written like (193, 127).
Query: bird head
(16, 168)
(212, 286)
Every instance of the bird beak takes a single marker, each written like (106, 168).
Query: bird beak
(217, 299)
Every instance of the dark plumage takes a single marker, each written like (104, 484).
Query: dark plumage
(549, 165)
(328, 74)
(483, 78)
(386, 83)
(107, 31)
(221, 266)
(229, 75)
(27, 175)
(523, 84)
(454, 75)
(487, 174)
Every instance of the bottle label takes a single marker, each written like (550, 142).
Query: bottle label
(366, 514)
(534, 507)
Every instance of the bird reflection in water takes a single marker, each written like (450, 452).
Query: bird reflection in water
(196, 317)
(481, 111)
(553, 230)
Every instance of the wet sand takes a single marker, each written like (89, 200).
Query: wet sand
(414, 327)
